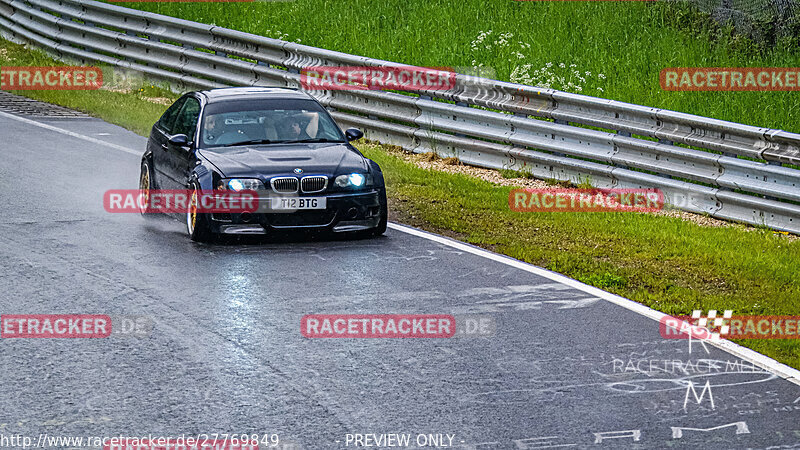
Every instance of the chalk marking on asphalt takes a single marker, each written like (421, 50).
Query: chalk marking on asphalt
(782, 370)
(574, 304)
(72, 134)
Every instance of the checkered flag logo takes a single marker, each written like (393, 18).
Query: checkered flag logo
(718, 322)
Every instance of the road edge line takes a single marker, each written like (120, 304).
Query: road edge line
(71, 133)
(782, 370)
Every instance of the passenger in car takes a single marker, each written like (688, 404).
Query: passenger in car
(294, 129)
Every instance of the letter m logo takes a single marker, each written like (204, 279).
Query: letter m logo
(698, 399)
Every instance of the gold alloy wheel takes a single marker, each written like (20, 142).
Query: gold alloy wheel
(144, 189)
(191, 213)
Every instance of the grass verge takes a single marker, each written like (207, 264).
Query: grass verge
(666, 263)
(629, 43)
(130, 102)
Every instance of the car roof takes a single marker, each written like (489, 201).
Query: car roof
(253, 93)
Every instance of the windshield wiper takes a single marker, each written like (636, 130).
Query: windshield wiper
(303, 141)
(267, 141)
(250, 142)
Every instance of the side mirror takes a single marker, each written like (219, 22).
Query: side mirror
(179, 140)
(353, 134)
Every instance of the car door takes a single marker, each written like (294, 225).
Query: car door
(179, 159)
(158, 144)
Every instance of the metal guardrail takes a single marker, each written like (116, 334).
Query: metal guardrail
(738, 175)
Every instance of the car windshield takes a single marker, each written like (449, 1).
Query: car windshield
(244, 122)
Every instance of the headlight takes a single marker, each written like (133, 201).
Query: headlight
(355, 180)
(242, 184)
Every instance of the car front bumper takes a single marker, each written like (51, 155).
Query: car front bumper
(344, 212)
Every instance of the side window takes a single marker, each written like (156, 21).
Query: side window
(168, 119)
(186, 122)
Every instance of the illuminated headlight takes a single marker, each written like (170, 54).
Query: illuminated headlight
(353, 180)
(243, 184)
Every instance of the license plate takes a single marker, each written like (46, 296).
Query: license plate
(299, 203)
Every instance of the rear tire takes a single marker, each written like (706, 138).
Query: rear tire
(197, 223)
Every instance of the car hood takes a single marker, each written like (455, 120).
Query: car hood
(282, 159)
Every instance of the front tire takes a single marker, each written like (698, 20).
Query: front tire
(381, 228)
(197, 223)
(145, 188)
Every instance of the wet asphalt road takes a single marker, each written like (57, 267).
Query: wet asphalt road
(225, 354)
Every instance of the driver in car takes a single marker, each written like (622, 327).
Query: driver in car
(216, 133)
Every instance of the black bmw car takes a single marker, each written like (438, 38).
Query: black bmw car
(280, 143)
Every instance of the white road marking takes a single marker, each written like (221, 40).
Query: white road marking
(572, 304)
(72, 134)
(782, 370)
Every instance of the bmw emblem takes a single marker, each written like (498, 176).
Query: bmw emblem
(298, 170)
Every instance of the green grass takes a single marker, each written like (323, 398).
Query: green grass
(129, 109)
(665, 263)
(628, 42)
